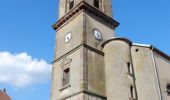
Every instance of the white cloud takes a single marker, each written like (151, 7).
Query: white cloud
(22, 70)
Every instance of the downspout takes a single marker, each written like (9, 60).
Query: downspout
(156, 74)
(136, 94)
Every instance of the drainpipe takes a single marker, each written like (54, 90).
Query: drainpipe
(156, 74)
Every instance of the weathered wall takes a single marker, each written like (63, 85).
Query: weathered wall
(163, 68)
(84, 96)
(57, 92)
(90, 63)
(117, 55)
(86, 73)
(96, 73)
(91, 24)
(92, 97)
(146, 82)
(75, 26)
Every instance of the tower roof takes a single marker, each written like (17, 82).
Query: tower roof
(4, 95)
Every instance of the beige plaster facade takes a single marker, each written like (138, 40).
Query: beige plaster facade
(143, 67)
(109, 68)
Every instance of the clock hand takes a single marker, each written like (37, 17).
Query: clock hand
(98, 36)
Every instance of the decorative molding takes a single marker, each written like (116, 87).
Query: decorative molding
(83, 6)
(84, 92)
(66, 61)
(116, 39)
(76, 48)
(160, 53)
(65, 87)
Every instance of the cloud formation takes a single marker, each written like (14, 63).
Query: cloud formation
(22, 70)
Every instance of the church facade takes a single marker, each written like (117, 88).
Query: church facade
(92, 64)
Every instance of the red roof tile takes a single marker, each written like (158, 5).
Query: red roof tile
(4, 96)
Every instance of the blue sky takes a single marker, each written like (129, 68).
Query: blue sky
(26, 33)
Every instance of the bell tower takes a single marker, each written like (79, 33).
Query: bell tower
(78, 68)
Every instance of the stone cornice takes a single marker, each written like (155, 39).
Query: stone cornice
(116, 39)
(160, 53)
(76, 48)
(83, 6)
(84, 91)
(136, 44)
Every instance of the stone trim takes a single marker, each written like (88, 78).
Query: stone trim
(65, 62)
(160, 52)
(94, 94)
(84, 69)
(156, 75)
(114, 39)
(83, 6)
(154, 49)
(135, 44)
(65, 87)
(85, 92)
(76, 48)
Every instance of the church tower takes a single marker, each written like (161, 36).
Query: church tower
(78, 68)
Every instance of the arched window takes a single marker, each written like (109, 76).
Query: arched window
(71, 4)
(66, 77)
(131, 92)
(97, 3)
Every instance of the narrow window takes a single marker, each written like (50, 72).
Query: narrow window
(66, 77)
(131, 91)
(129, 69)
(71, 4)
(96, 3)
(66, 6)
(168, 89)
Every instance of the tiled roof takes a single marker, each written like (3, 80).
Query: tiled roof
(4, 96)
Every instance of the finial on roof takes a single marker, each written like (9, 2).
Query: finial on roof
(4, 90)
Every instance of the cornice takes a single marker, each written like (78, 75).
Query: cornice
(83, 6)
(160, 52)
(136, 44)
(76, 48)
(115, 39)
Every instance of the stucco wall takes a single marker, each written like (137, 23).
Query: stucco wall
(163, 67)
(86, 73)
(75, 26)
(91, 24)
(57, 91)
(146, 82)
(117, 55)
(96, 73)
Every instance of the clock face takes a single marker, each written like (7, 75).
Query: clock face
(68, 37)
(97, 34)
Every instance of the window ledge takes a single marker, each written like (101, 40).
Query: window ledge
(65, 87)
(168, 92)
(130, 74)
(132, 98)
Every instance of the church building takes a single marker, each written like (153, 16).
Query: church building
(90, 63)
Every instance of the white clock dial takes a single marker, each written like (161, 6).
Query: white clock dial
(67, 37)
(97, 34)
